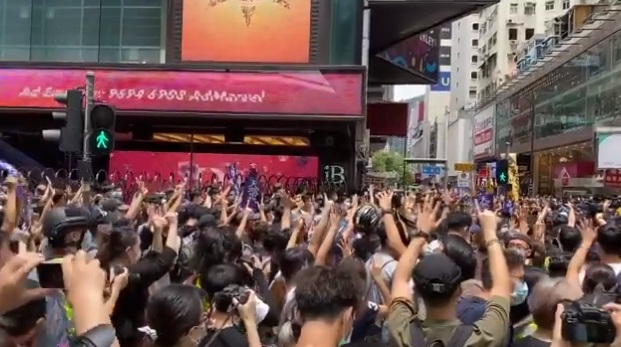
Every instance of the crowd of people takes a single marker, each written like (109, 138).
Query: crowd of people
(379, 268)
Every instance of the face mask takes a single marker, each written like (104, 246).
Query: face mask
(519, 251)
(519, 293)
(345, 340)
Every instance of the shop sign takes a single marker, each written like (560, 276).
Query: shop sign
(483, 134)
(612, 178)
(464, 167)
(311, 92)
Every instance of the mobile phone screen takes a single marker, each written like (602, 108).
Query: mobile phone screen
(51, 274)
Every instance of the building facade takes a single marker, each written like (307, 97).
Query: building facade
(550, 122)
(464, 54)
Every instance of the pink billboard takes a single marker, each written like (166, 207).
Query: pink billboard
(243, 92)
(210, 166)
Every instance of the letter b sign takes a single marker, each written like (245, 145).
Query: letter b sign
(334, 174)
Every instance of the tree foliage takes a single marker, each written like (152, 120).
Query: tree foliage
(387, 161)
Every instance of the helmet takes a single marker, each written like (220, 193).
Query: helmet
(59, 220)
(366, 218)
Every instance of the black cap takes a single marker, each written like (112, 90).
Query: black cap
(436, 273)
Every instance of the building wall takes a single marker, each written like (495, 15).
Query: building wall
(504, 30)
(459, 147)
(465, 43)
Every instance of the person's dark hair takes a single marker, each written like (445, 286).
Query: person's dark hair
(173, 311)
(462, 253)
(115, 244)
(355, 266)
(598, 274)
(513, 259)
(458, 221)
(569, 238)
(609, 239)
(532, 275)
(293, 260)
(214, 246)
(324, 293)
(219, 277)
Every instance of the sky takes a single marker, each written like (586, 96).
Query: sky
(409, 91)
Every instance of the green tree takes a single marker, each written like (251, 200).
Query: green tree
(386, 161)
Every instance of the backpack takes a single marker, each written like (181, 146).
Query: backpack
(459, 338)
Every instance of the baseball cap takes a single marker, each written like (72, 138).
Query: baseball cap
(436, 274)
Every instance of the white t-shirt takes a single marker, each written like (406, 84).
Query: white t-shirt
(615, 266)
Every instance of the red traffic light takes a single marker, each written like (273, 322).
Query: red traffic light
(102, 116)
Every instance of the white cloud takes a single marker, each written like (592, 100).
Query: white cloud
(409, 91)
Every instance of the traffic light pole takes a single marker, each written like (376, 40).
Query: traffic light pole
(85, 166)
(90, 101)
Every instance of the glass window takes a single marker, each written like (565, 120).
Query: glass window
(474, 58)
(528, 33)
(83, 30)
(345, 21)
(513, 34)
(473, 75)
(566, 4)
(475, 43)
(513, 8)
(550, 5)
(475, 26)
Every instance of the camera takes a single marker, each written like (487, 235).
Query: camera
(223, 300)
(586, 323)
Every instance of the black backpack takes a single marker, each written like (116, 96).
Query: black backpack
(459, 338)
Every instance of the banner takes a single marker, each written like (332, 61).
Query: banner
(418, 54)
(444, 82)
(248, 31)
(270, 92)
(608, 142)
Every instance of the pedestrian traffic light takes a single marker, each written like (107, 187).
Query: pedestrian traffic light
(70, 121)
(101, 138)
(502, 172)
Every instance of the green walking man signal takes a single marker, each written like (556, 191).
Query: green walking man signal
(102, 140)
(502, 172)
(503, 177)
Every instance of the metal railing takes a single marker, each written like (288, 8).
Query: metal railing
(128, 181)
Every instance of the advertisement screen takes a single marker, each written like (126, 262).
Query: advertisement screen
(211, 165)
(259, 31)
(270, 92)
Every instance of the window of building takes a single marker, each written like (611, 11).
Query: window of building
(475, 43)
(513, 34)
(83, 31)
(566, 4)
(474, 59)
(513, 8)
(473, 75)
(472, 94)
(549, 5)
(528, 33)
(475, 26)
(529, 9)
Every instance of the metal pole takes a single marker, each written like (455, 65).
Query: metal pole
(90, 100)
(531, 184)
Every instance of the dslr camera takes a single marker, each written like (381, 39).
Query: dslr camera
(223, 300)
(586, 323)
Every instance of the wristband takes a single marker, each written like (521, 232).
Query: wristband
(491, 242)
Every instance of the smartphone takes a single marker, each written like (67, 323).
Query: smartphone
(51, 274)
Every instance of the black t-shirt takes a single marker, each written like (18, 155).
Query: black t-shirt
(227, 337)
(130, 307)
(364, 324)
